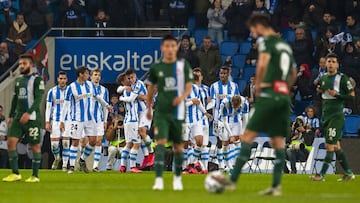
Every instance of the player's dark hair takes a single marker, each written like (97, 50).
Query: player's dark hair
(120, 78)
(259, 19)
(225, 68)
(95, 71)
(129, 71)
(61, 73)
(81, 70)
(27, 56)
(196, 77)
(168, 38)
(332, 55)
(196, 70)
(19, 14)
(207, 37)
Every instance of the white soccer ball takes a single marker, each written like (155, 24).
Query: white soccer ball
(212, 182)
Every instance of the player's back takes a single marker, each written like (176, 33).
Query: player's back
(193, 113)
(99, 112)
(140, 88)
(131, 109)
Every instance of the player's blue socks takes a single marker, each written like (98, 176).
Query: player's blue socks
(341, 156)
(241, 160)
(185, 158)
(73, 155)
(55, 149)
(227, 156)
(97, 156)
(87, 151)
(278, 167)
(65, 152)
(178, 159)
(133, 156)
(220, 157)
(13, 160)
(36, 160)
(124, 156)
(327, 161)
(205, 157)
(159, 160)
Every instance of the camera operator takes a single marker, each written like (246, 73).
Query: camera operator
(299, 142)
(116, 137)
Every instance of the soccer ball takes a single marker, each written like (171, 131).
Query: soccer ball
(212, 184)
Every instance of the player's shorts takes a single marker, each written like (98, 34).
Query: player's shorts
(131, 130)
(144, 121)
(222, 132)
(82, 129)
(30, 130)
(271, 115)
(192, 130)
(55, 129)
(235, 128)
(100, 129)
(205, 135)
(332, 127)
(167, 127)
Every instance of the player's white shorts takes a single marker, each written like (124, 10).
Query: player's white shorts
(82, 129)
(143, 120)
(55, 129)
(205, 135)
(236, 128)
(131, 130)
(192, 130)
(100, 129)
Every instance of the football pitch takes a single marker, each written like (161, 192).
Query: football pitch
(57, 186)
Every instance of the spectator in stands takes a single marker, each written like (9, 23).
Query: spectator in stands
(19, 35)
(217, 21)
(312, 122)
(326, 23)
(178, 13)
(122, 14)
(70, 16)
(236, 16)
(350, 61)
(102, 21)
(200, 10)
(249, 91)
(354, 105)
(3, 145)
(260, 7)
(114, 102)
(314, 10)
(322, 42)
(302, 83)
(209, 61)
(188, 51)
(252, 56)
(321, 71)
(299, 143)
(302, 47)
(49, 7)
(34, 13)
(352, 26)
(290, 9)
(352, 7)
(5, 61)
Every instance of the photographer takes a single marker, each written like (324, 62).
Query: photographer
(299, 142)
(116, 137)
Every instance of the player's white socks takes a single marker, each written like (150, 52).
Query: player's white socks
(144, 149)
(124, 156)
(205, 157)
(112, 151)
(133, 156)
(236, 152)
(197, 151)
(87, 151)
(227, 156)
(191, 156)
(185, 158)
(73, 154)
(148, 142)
(97, 156)
(220, 157)
(65, 152)
(55, 149)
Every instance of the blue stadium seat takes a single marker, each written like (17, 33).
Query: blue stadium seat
(199, 35)
(288, 35)
(352, 125)
(248, 72)
(179, 33)
(241, 85)
(293, 117)
(238, 60)
(223, 58)
(245, 47)
(235, 72)
(229, 48)
(313, 34)
(191, 23)
(226, 35)
(30, 44)
(300, 106)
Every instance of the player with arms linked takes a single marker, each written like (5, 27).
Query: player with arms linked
(275, 73)
(25, 119)
(173, 80)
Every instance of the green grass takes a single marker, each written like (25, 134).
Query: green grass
(57, 186)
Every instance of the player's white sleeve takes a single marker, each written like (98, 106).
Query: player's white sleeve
(226, 125)
(210, 105)
(202, 108)
(244, 118)
(101, 100)
(64, 110)
(130, 98)
(48, 111)
(189, 103)
(120, 89)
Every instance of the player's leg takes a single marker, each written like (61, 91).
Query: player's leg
(144, 125)
(145, 151)
(76, 134)
(97, 153)
(66, 145)
(341, 156)
(197, 133)
(205, 150)
(14, 134)
(186, 138)
(55, 141)
(136, 140)
(33, 137)
(129, 144)
(176, 132)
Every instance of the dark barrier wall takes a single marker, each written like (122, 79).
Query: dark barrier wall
(351, 146)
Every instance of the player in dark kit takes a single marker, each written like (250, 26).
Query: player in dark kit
(25, 118)
(335, 88)
(173, 80)
(275, 73)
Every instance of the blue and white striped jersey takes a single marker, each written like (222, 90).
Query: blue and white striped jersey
(193, 113)
(219, 91)
(100, 111)
(140, 88)
(226, 110)
(132, 112)
(54, 104)
(314, 122)
(204, 93)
